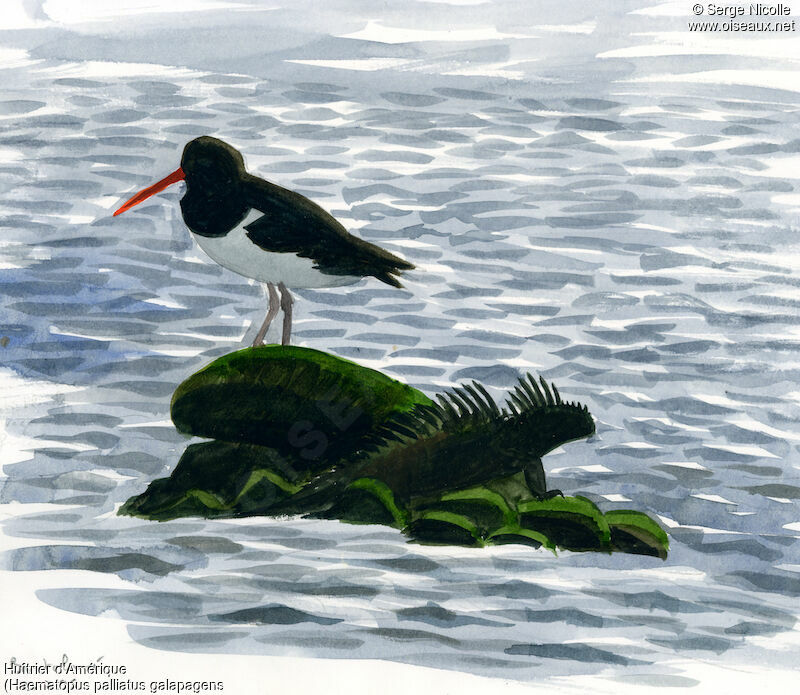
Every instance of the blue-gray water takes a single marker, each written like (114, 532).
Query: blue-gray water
(624, 225)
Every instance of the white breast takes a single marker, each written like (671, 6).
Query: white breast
(236, 252)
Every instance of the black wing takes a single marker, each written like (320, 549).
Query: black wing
(293, 224)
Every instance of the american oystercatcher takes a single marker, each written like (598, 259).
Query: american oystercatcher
(262, 231)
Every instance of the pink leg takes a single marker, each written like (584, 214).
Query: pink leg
(286, 305)
(272, 312)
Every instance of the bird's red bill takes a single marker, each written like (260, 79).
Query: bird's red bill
(174, 177)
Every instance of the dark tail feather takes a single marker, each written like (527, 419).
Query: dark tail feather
(393, 267)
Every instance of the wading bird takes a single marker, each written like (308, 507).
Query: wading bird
(262, 231)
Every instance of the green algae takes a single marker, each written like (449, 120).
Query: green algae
(302, 432)
(308, 405)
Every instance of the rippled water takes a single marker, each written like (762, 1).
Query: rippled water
(620, 226)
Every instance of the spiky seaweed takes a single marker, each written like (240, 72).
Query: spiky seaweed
(464, 439)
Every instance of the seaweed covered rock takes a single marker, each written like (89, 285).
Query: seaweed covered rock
(573, 523)
(482, 516)
(308, 405)
(635, 532)
(219, 479)
(300, 432)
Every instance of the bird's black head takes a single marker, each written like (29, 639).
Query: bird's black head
(214, 173)
(215, 181)
(209, 163)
